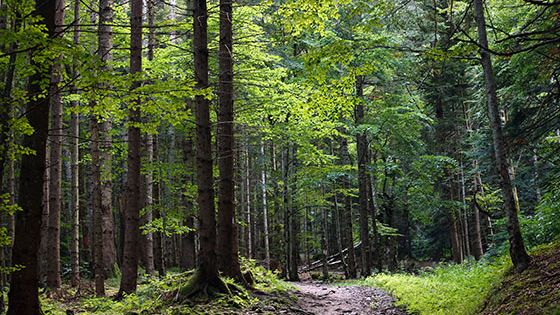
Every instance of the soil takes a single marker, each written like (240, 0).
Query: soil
(322, 299)
(318, 298)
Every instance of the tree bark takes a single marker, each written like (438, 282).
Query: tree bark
(228, 259)
(74, 161)
(55, 190)
(265, 209)
(23, 297)
(517, 251)
(249, 229)
(207, 271)
(129, 266)
(362, 147)
(346, 215)
(148, 202)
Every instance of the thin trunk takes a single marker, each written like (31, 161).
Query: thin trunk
(99, 267)
(74, 161)
(362, 147)
(265, 208)
(249, 229)
(131, 235)
(346, 218)
(517, 251)
(148, 202)
(55, 190)
(23, 297)
(148, 237)
(294, 222)
(188, 249)
(44, 220)
(159, 261)
(324, 242)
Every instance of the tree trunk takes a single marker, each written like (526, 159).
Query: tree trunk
(249, 229)
(228, 259)
(55, 189)
(129, 266)
(148, 237)
(74, 161)
(207, 271)
(148, 202)
(23, 297)
(265, 208)
(346, 215)
(517, 251)
(361, 140)
(159, 261)
(44, 220)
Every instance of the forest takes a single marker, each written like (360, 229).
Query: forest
(279, 157)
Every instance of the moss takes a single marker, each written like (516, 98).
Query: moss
(535, 291)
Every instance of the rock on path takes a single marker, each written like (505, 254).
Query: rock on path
(322, 299)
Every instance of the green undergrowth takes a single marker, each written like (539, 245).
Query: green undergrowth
(158, 296)
(457, 289)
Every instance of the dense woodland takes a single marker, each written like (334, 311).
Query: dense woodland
(336, 137)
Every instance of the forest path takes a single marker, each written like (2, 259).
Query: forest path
(324, 299)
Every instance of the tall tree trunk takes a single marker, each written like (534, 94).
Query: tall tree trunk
(517, 251)
(346, 217)
(249, 229)
(99, 264)
(148, 237)
(376, 252)
(207, 271)
(265, 208)
(361, 140)
(129, 266)
(148, 202)
(43, 249)
(478, 249)
(74, 161)
(23, 297)
(55, 191)
(228, 259)
(324, 240)
(159, 261)
(104, 247)
(188, 245)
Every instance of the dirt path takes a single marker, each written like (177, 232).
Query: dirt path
(322, 299)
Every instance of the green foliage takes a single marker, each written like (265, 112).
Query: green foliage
(265, 280)
(446, 289)
(544, 225)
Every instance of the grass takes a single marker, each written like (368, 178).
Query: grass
(446, 289)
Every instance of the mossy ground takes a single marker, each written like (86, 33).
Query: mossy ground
(158, 296)
(535, 291)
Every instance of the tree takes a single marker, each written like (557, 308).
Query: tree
(129, 266)
(23, 297)
(361, 140)
(228, 259)
(101, 160)
(55, 164)
(346, 215)
(206, 274)
(75, 157)
(517, 251)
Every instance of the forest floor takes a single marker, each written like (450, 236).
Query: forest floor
(535, 291)
(323, 299)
